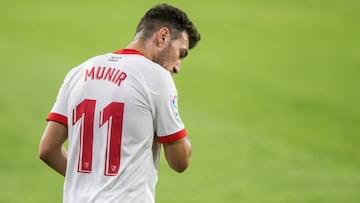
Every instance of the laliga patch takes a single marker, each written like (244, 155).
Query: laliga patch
(174, 105)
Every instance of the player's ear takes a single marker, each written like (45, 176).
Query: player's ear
(163, 37)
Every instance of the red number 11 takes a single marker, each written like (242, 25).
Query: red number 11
(112, 114)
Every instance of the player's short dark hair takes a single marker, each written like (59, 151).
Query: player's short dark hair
(164, 15)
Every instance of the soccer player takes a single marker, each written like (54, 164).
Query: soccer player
(117, 109)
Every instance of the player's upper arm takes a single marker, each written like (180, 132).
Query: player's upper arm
(52, 140)
(178, 153)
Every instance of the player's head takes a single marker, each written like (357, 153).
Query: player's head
(164, 15)
(172, 33)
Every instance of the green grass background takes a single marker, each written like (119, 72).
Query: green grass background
(270, 97)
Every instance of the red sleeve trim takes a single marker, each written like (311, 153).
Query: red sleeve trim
(57, 118)
(173, 137)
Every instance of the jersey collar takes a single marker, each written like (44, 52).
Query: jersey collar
(128, 51)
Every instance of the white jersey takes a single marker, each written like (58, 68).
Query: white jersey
(118, 108)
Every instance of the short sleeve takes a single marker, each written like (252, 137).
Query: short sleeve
(59, 112)
(168, 124)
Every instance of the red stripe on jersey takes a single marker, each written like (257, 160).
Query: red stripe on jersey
(57, 118)
(128, 51)
(173, 137)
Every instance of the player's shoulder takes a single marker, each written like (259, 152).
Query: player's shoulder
(77, 69)
(149, 68)
(98, 58)
(154, 68)
(159, 73)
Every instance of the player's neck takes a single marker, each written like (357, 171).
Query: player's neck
(142, 46)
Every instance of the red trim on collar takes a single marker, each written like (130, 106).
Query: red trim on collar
(128, 51)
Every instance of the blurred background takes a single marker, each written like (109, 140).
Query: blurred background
(270, 96)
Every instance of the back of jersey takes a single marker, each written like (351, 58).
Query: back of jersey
(111, 103)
